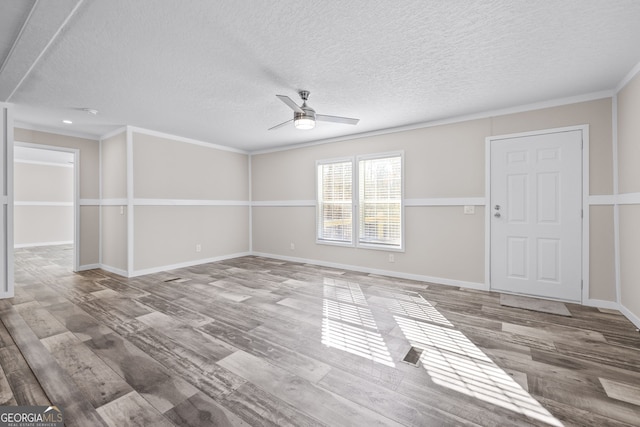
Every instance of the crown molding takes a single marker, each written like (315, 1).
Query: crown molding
(457, 119)
(184, 139)
(56, 131)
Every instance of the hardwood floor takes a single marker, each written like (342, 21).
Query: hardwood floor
(256, 341)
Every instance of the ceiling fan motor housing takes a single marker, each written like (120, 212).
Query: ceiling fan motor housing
(305, 120)
(309, 113)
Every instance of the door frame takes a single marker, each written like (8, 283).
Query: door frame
(76, 192)
(6, 201)
(585, 201)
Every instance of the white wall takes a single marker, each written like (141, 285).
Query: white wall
(43, 204)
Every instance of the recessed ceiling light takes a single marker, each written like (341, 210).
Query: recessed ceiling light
(67, 122)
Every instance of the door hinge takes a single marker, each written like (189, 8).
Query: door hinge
(581, 284)
(581, 213)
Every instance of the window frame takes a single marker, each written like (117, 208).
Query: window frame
(355, 202)
(380, 246)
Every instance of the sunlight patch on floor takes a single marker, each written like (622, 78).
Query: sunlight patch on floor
(449, 357)
(348, 324)
(359, 341)
(453, 361)
(344, 291)
(356, 315)
(423, 311)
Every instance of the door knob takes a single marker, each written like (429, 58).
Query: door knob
(497, 214)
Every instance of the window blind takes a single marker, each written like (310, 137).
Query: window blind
(335, 202)
(380, 201)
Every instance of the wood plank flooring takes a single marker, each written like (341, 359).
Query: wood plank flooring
(262, 342)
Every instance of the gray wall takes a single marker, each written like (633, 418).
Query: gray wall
(445, 161)
(89, 239)
(186, 195)
(629, 192)
(183, 204)
(113, 167)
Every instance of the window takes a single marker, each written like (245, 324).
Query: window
(335, 202)
(380, 201)
(378, 192)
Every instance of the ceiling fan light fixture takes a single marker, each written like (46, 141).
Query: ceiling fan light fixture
(304, 123)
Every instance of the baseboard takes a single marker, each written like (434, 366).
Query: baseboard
(88, 267)
(33, 245)
(400, 275)
(114, 270)
(159, 269)
(614, 306)
(629, 315)
(600, 303)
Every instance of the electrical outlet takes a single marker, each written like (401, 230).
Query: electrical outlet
(469, 210)
(293, 246)
(198, 247)
(392, 258)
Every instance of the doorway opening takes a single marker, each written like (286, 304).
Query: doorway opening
(46, 206)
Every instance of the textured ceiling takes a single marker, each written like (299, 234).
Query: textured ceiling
(210, 70)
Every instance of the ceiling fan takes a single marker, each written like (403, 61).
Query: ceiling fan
(304, 117)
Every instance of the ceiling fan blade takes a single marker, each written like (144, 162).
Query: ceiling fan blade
(281, 125)
(337, 119)
(290, 103)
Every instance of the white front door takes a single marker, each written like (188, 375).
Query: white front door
(536, 215)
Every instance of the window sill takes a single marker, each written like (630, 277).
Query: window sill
(376, 247)
(371, 246)
(335, 243)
